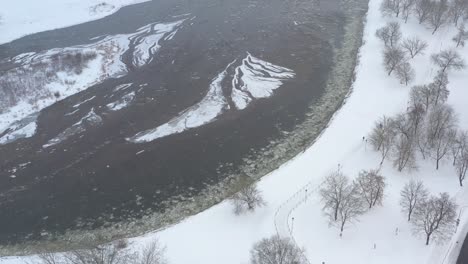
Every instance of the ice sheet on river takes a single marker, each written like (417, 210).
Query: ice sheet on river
(253, 79)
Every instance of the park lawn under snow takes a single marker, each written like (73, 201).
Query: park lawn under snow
(23, 17)
(218, 236)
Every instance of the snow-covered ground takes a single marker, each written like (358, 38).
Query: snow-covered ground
(24, 17)
(218, 236)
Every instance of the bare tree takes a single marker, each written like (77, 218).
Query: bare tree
(438, 15)
(412, 196)
(405, 73)
(460, 144)
(50, 258)
(403, 150)
(423, 10)
(392, 58)
(415, 115)
(461, 36)
(457, 10)
(414, 46)
(421, 96)
(461, 166)
(383, 136)
(391, 7)
(247, 199)
(448, 60)
(350, 208)
(406, 8)
(153, 253)
(435, 217)
(390, 34)
(332, 191)
(371, 186)
(113, 253)
(404, 153)
(102, 254)
(440, 131)
(438, 87)
(276, 250)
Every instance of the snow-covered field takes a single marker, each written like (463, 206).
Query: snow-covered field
(218, 236)
(24, 17)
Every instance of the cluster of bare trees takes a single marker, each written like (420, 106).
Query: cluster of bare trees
(113, 253)
(430, 215)
(433, 13)
(277, 250)
(28, 82)
(397, 53)
(344, 200)
(247, 199)
(428, 126)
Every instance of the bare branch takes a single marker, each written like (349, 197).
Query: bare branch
(276, 250)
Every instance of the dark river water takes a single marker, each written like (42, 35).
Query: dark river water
(95, 180)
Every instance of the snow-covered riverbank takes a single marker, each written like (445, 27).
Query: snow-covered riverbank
(24, 17)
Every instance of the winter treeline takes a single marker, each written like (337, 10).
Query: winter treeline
(432, 216)
(427, 128)
(398, 52)
(345, 200)
(433, 13)
(113, 253)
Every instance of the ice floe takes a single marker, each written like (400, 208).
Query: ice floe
(211, 106)
(122, 102)
(253, 79)
(90, 120)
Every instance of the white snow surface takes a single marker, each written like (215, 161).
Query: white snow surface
(19, 130)
(218, 236)
(24, 17)
(148, 45)
(256, 78)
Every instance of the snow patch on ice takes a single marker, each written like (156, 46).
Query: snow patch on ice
(90, 120)
(149, 45)
(253, 79)
(85, 101)
(256, 78)
(122, 87)
(206, 111)
(122, 102)
(21, 129)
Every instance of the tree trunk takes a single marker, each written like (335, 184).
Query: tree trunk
(437, 164)
(409, 215)
(428, 237)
